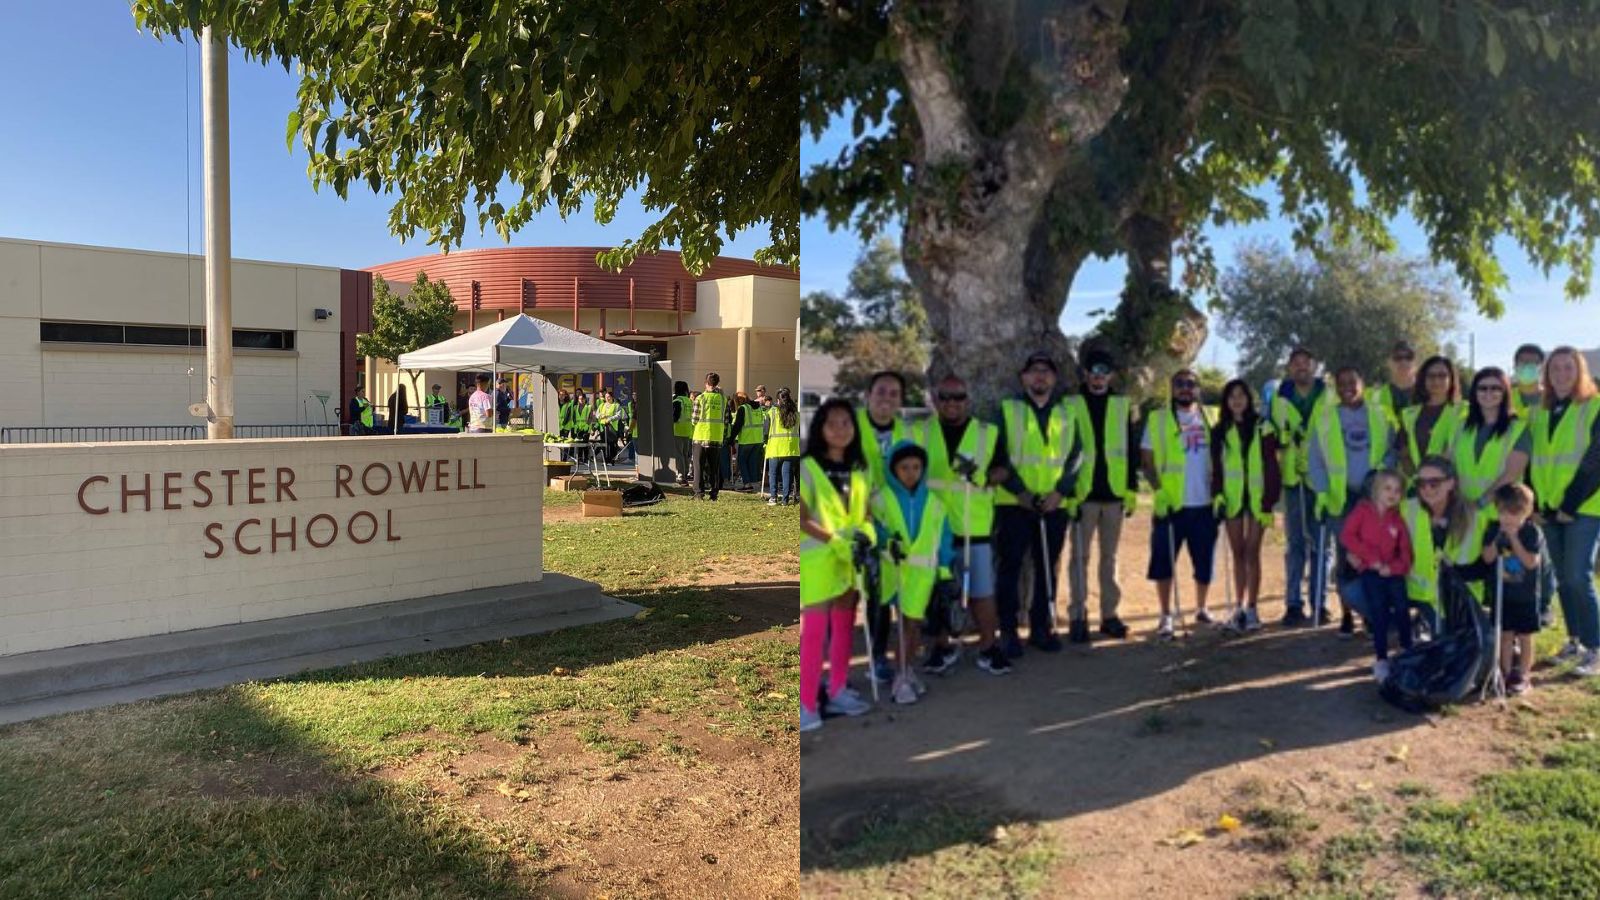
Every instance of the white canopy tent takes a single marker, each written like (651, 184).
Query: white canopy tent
(525, 344)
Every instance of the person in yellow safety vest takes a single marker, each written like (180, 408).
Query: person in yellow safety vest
(881, 427)
(1034, 475)
(838, 536)
(1445, 530)
(360, 418)
(709, 416)
(682, 428)
(1526, 365)
(1246, 484)
(1104, 493)
(914, 534)
(960, 449)
(1491, 446)
(1175, 455)
(1292, 404)
(1566, 485)
(436, 407)
(1433, 417)
(750, 427)
(783, 448)
(1349, 440)
(582, 415)
(1397, 394)
(608, 416)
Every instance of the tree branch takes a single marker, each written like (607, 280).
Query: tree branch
(942, 116)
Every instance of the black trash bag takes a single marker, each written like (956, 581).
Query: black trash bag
(1454, 664)
(641, 493)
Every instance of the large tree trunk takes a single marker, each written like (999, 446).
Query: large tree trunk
(1156, 330)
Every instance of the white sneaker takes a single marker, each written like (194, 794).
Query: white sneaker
(848, 703)
(1380, 670)
(1164, 627)
(903, 693)
(1589, 664)
(809, 720)
(1252, 620)
(1569, 651)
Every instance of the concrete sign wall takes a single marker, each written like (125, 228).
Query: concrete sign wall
(106, 541)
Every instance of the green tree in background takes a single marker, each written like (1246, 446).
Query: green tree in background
(446, 102)
(1347, 305)
(425, 316)
(876, 325)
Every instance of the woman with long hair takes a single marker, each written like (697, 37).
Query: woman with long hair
(1492, 446)
(1444, 530)
(1428, 424)
(835, 517)
(783, 448)
(1245, 482)
(1566, 485)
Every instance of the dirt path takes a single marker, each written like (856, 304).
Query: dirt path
(1117, 746)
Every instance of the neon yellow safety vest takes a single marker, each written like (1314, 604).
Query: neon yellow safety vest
(1520, 406)
(1384, 398)
(633, 421)
(782, 442)
(1422, 582)
(824, 575)
(751, 432)
(1240, 469)
(869, 442)
(1116, 441)
(1166, 448)
(683, 425)
(1291, 429)
(1439, 440)
(1329, 436)
(584, 414)
(364, 412)
(710, 422)
(912, 580)
(1036, 458)
(1474, 476)
(1556, 456)
(970, 510)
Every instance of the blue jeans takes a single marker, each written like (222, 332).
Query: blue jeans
(784, 466)
(1572, 550)
(750, 463)
(1300, 527)
(1385, 601)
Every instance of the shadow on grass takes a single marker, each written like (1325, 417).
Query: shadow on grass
(171, 800)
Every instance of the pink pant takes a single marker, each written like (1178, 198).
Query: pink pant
(816, 622)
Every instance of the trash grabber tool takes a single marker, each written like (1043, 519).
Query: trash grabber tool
(1227, 571)
(865, 573)
(1496, 682)
(1049, 577)
(1177, 599)
(1319, 574)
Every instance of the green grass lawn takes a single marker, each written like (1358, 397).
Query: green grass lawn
(273, 789)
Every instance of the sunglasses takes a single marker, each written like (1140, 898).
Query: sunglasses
(952, 398)
(1186, 384)
(1101, 371)
(1405, 359)
(1431, 482)
(1491, 389)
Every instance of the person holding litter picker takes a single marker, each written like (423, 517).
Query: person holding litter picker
(1034, 470)
(960, 448)
(836, 559)
(1176, 456)
(1516, 543)
(914, 534)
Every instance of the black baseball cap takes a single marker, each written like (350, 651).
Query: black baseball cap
(1040, 356)
(1402, 350)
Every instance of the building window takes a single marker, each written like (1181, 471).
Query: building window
(158, 336)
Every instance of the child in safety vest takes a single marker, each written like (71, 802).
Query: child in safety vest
(1378, 547)
(914, 532)
(1514, 536)
(836, 553)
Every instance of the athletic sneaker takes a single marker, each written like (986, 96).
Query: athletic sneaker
(1380, 670)
(1252, 620)
(994, 661)
(882, 672)
(848, 703)
(1295, 618)
(1078, 631)
(1589, 664)
(1011, 645)
(941, 660)
(810, 720)
(1114, 628)
(1164, 627)
(1570, 651)
(1048, 643)
(916, 682)
(1516, 682)
(772, 502)
(903, 692)
(1202, 618)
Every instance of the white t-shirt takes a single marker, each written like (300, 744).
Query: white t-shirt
(1196, 438)
(480, 407)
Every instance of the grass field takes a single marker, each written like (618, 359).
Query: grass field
(542, 764)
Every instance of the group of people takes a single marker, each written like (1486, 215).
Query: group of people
(755, 440)
(480, 411)
(1382, 490)
(599, 417)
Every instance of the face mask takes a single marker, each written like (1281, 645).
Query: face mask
(1528, 374)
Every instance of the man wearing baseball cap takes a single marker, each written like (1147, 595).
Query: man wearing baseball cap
(1396, 395)
(1104, 493)
(1033, 474)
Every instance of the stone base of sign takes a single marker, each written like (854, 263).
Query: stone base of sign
(48, 682)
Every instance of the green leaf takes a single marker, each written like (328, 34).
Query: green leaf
(1494, 52)
(292, 129)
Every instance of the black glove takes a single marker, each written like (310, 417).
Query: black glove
(897, 550)
(1502, 542)
(964, 467)
(861, 552)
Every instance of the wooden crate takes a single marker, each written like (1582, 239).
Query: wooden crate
(602, 504)
(571, 483)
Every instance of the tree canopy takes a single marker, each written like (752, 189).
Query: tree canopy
(1348, 306)
(423, 317)
(876, 325)
(1018, 137)
(516, 105)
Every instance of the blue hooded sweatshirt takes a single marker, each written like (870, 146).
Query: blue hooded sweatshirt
(913, 505)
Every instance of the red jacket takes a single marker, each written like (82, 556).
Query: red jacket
(1377, 539)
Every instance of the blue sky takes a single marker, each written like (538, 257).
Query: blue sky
(95, 144)
(1536, 308)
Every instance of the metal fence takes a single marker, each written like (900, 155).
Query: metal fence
(81, 434)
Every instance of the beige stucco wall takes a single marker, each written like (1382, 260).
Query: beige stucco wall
(70, 577)
(99, 385)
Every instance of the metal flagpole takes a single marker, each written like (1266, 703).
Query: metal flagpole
(219, 238)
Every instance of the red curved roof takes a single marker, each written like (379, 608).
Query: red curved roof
(500, 272)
